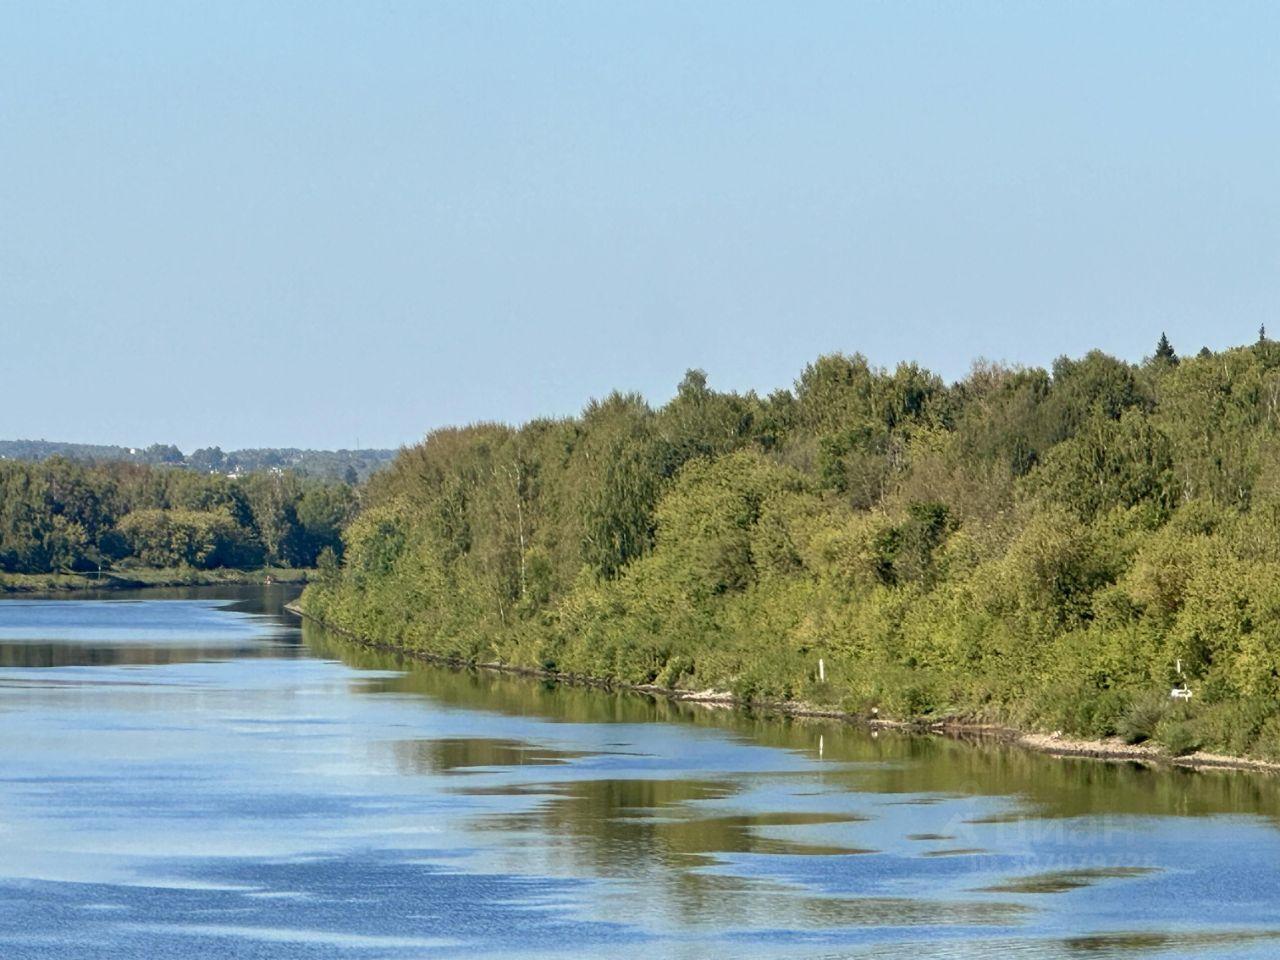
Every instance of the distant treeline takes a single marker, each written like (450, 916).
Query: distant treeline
(351, 466)
(65, 515)
(1038, 547)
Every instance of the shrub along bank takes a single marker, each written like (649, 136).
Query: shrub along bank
(1038, 548)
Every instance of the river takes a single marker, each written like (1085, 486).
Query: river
(195, 774)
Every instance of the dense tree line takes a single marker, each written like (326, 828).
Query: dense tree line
(1038, 547)
(65, 515)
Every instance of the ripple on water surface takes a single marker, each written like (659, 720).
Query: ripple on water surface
(196, 776)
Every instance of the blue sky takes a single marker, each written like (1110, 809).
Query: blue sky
(303, 224)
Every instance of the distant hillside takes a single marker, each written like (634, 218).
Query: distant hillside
(349, 465)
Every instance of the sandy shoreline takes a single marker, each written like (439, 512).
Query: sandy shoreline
(1113, 749)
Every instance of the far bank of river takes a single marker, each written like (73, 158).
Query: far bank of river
(144, 577)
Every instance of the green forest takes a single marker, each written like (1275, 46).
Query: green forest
(1030, 547)
(60, 515)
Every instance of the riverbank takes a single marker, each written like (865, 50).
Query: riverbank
(1112, 749)
(135, 579)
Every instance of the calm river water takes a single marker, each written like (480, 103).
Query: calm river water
(192, 774)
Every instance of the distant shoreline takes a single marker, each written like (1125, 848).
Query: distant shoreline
(1111, 750)
(143, 578)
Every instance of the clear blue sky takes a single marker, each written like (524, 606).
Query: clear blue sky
(299, 224)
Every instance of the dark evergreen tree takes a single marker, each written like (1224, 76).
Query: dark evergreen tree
(1165, 352)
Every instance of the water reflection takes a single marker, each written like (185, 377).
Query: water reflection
(148, 628)
(640, 824)
(463, 754)
(82, 655)
(915, 769)
(1061, 881)
(200, 777)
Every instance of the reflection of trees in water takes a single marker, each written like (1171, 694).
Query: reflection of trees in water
(257, 599)
(508, 694)
(664, 834)
(452, 754)
(665, 837)
(137, 654)
(1111, 946)
(710, 901)
(888, 762)
(658, 834)
(1053, 788)
(635, 823)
